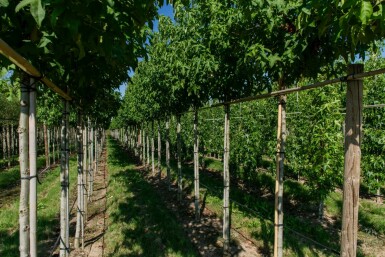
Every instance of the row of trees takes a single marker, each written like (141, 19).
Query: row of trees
(86, 49)
(218, 51)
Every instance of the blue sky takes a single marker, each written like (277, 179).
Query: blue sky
(166, 10)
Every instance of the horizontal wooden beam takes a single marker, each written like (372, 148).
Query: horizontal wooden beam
(27, 67)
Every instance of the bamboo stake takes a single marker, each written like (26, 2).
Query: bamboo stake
(226, 182)
(280, 156)
(32, 171)
(24, 167)
(27, 67)
(196, 167)
(353, 131)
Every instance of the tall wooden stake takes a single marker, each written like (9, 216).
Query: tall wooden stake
(24, 167)
(353, 130)
(148, 148)
(226, 182)
(32, 171)
(196, 166)
(179, 153)
(280, 156)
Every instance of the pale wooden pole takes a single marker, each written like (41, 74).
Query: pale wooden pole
(32, 171)
(67, 177)
(353, 131)
(24, 167)
(226, 182)
(179, 157)
(79, 213)
(159, 152)
(64, 183)
(168, 153)
(152, 149)
(46, 145)
(196, 166)
(280, 156)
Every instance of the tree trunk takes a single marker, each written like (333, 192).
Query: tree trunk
(179, 159)
(353, 130)
(196, 166)
(159, 152)
(46, 145)
(4, 137)
(79, 213)
(226, 182)
(152, 149)
(280, 156)
(168, 153)
(85, 175)
(32, 171)
(148, 148)
(9, 145)
(24, 167)
(64, 248)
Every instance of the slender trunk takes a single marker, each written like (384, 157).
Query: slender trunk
(226, 182)
(32, 172)
(85, 175)
(152, 149)
(196, 166)
(89, 165)
(321, 210)
(4, 137)
(53, 145)
(49, 146)
(280, 156)
(144, 145)
(24, 168)
(159, 152)
(46, 145)
(179, 159)
(168, 153)
(79, 213)
(148, 148)
(9, 145)
(352, 170)
(64, 248)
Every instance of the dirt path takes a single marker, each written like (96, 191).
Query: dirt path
(96, 222)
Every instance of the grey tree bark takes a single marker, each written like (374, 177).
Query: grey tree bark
(79, 214)
(226, 182)
(196, 166)
(24, 167)
(179, 159)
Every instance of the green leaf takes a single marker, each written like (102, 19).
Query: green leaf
(36, 9)
(4, 3)
(366, 12)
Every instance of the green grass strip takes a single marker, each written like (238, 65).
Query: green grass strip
(139, 224)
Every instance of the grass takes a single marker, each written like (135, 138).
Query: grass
(10, 177)
(139, 224)
(48, 215)
(255, 219)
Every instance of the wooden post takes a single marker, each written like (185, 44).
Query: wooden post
(159, 152)
(24, 167)
(196, 167)
(226, 182)
(353, 130)
(85, 173)
(168, 153)
(179, 153)
(280, 156)
(32, 171)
